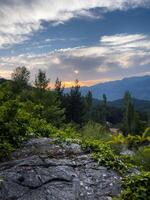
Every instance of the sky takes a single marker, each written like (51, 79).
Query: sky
(91, 40)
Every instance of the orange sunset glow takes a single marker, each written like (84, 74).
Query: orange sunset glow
(68, 84)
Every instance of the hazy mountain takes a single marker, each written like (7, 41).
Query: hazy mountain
(140, 105)
(138, 86)
(2, 80)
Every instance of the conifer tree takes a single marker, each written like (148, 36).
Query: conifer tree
(75, 105)
(41, 81)
(130, 116)
(59, 88)
(104, 108)
(21, 77)
(88, 105)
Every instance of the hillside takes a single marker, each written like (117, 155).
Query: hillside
(140, 105)
(139, 88)
(2, 80)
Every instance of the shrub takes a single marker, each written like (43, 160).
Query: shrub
(104, 155)
(95, 131)
(118, 143)
(67, 132)
(13, 122)
(5, 150)
(146, 132)
(136, 187)
(39, 127)
(137, 140)
(142, 157)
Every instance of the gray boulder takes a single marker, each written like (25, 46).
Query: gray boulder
(45, 170)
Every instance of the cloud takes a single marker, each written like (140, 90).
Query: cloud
(115, 56)
(121, 39)
(20, 19)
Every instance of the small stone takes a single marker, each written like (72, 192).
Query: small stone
(109, 198)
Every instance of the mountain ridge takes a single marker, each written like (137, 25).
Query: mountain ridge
(139, 87)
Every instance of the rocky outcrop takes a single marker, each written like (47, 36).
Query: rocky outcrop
(44, 170)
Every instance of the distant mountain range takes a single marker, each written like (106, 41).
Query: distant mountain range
(2, 80)
(139, 87)
(140, 105)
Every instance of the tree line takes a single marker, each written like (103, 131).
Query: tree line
(20, 101)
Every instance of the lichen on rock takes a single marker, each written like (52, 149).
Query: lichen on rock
(45, 170)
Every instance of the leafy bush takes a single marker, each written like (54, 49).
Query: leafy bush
(67, 133)
(146, 132)
(39, 127)
(142, 157)
(136, 187)
(95, 131)
(118, 143)
(13, 122)
(5, 150)
(104, 155)
(137, 140)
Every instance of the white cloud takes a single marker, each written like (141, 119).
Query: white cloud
(20, 19)
(121, 39)
(76, 71)
(101, 61)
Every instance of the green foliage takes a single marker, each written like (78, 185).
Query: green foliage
(67, 133)
(100, 112)
(46, 105)
(96, 131)
(27, 112)
(132, 124)
(146, 132)
(88, 106)
(6, 92)
(13, 125)
(136, 187)
(5, 149)
(59, 88)
(118, 143)
(21, 77)
(137, 140)
(104, 155)
(74, 105)
(41, 81)
(39, 127)
(142, 157)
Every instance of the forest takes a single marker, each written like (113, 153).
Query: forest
(36, 110)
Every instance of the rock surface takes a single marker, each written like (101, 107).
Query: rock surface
(43, 170)
(127, 152)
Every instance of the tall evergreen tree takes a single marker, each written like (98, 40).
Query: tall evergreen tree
(58, 86)
(41, 81)
(104, 108)
(88, 106)
(75, 105)
(129, 115)
(21, 77)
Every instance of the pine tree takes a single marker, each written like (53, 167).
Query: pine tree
(21, 77)
(129, 115)
(88, 105)
(104, 108)
(75, 105)
(58, 86)
(41, 81)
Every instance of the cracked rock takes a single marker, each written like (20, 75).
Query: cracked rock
(43, 170)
